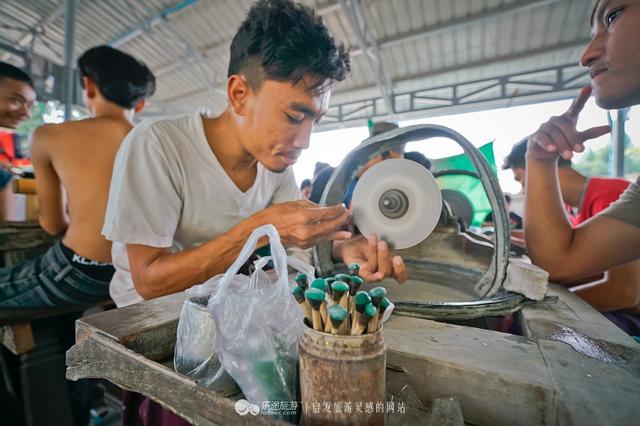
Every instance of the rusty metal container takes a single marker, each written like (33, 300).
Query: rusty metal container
(342, 378)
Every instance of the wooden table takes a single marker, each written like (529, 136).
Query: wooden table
(571, 366)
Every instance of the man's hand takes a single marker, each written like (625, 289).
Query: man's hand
(373, 257)
(559, 135)
(303, 224)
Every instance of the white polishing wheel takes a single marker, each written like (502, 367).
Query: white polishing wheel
(398, 200)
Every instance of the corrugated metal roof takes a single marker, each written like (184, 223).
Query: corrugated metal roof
(423, 43)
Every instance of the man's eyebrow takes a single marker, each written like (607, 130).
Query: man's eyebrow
(600, 10)
(19, 95)
(303, 109)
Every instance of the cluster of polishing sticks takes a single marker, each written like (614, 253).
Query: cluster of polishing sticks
(334, 305)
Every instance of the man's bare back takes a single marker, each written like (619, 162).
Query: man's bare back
(78, 155)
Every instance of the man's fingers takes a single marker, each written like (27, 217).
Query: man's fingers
(578, 103)
(399, 269)
(329, 226)
(559, 138)
(326, 213)
(340, 235)
(372, 252)
(384, 265)
(371, 276)
(595, 132)
(543, 141)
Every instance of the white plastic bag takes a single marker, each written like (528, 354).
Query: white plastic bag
(256, 325)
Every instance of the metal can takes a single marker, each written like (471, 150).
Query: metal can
(342, 378)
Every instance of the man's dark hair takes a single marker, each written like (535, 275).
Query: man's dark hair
(517, 157)
(14, 73)
(382, 127)
(284, 41)
(121, 78)
(319, 167)
(419, 158)
(305, 183)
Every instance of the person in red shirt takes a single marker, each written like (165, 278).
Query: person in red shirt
(617, 292)
(583, 196)
(598, 193)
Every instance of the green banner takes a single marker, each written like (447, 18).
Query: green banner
(470, 186)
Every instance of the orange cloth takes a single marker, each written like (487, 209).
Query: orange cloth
(8, 152)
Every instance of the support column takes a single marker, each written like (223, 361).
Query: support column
(69, 36)
(617, 142)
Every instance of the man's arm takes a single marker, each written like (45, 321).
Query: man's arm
(157, 272)
(566, 253)
(619, 289)
(48, 186)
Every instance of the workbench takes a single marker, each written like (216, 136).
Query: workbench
(570, 366)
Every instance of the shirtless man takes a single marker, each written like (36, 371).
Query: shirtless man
(17, 97)
(76, 159)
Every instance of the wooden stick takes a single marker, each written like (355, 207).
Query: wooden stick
(365, 317)
(302, 280)
(383, 307)
(346, 278)
(337, 315)
(321, 284)
(338, 290)
(354, 269)
(298, 294)
(315, 298)
(329, 281)
(377, 294)
(361, 300)
(324, 312)
(354, 285)
(341, 296)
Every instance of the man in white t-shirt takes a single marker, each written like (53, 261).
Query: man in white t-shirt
(187, 191)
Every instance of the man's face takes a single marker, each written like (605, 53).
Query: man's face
(16, 100)
(613, 55)
(519, 174)
(279, 119)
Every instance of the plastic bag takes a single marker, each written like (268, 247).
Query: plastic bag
(255, 328)
(195, 354)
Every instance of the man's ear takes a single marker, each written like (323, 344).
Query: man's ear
(238, 93)
(90, 87)
(140, 105)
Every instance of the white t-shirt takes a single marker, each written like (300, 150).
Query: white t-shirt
(169, 190)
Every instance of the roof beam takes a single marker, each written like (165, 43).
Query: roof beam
(150, 22)
(502, 10)
(27, 36)
(12, 49)
(439, 71)
(367, 42)
(69, 44)
(483, 62)
(207, 50)
(514, 7)
(495, 92)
